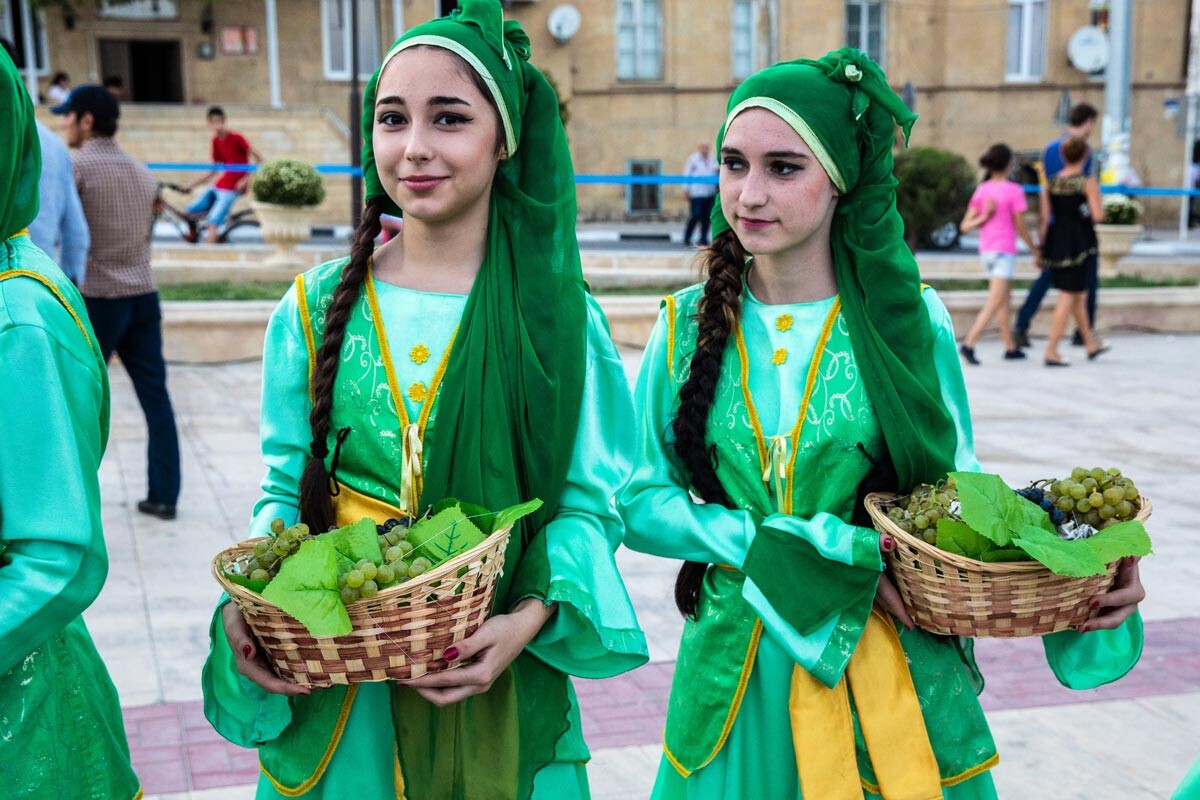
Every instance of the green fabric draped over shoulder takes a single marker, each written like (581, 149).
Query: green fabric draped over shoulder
(508, 408)
(20, 153)
(844, 110)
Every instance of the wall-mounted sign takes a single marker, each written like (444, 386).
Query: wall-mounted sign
(239, 40)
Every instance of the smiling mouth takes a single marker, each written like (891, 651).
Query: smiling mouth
(422, 182)
(750, 222)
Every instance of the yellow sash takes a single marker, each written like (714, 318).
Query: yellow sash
(888, 712)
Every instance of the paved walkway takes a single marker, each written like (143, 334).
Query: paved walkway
(1133, 740)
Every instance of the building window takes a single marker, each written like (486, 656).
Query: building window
(335, 38)
(643, 198)
(1026, 49)
(139, 9)
(744, 29)
(864, 27)
(639, 40)
(12, 28)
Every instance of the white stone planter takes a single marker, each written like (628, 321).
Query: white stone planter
(1115, 243)
(285, 227)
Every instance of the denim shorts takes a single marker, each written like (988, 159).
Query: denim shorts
(999, 265)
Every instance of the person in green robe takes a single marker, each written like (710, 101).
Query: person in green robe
(808, 370)
(61, 733)
(465, 359)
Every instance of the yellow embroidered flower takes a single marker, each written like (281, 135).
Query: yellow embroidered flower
(419, 354)
(780, 357)
(417, 392)
(784, 323)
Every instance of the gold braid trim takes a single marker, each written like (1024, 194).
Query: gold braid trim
(309, 340)
(334, 741)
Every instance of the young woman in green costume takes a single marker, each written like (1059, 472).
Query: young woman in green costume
(462, 359)
(809, 369)
(61, 733)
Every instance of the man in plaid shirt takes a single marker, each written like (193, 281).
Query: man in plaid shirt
(119, 198)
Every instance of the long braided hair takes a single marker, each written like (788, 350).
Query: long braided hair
(316, 505)
(718, 310)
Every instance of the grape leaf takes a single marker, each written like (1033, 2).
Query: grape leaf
(444, 535)
(1127, 538)
(994, 510)
(353, 543)
(958, 538)
(306, 587)
(242, 580)
(1075, 559)
(1005, 555)
(513, 513)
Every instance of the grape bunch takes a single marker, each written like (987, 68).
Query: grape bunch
(918, 512)
(1040, 497)
(366, 579)
(1095, 497)
(269, 554)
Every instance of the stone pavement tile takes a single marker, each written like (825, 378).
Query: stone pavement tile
(623, 773)
(234, 793)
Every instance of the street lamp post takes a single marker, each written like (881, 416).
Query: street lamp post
(1115, 133)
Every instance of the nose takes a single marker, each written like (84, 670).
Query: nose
(419, 147)
(754, 189)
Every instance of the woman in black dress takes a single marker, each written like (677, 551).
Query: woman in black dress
(1070, 205)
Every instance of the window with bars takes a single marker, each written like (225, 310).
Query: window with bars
(12, 28)
(335, 38)
(643, 198)
(865, 27)
(743, 38)
(1025, 54)
(639, 40)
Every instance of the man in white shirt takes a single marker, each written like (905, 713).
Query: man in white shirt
(701, 164)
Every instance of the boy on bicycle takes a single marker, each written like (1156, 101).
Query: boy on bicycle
(228, 147)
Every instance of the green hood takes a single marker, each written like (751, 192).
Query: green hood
(20, 155)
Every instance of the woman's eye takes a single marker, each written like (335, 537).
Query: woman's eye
(450, 119)
(391, 118)
(783, 168)
(732, 163)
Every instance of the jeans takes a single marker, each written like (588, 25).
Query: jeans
(132, 328)
(700, 213)
(215, 203)
(1042, 285)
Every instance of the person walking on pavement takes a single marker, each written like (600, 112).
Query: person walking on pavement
(119, 197)
(996, 208)
(228, 147)
(1070, 204)
(700, 164)
(1081, 121)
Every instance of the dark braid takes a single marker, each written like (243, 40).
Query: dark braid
(316, 508)
(725, 262)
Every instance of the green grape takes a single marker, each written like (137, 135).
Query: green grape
(1131, 492)
(1083, 506)
(1065, 503)
(385, 575)
(943, 499)
(348, 595)
(393, 554)
(1093, 518)
(341, 581)
(1124, 509)
(355, 578)
(951, 483)
(1107, 511)
(300, 529)
(401, 570)
(270, 559)
(1077, 491)
(908, 527)
(277, 526)
(895, 513)
(1096, 499)
(367, 569)
(1098, 474)
(280, 548)
(1114, 495)
(369, 589)
(934, 514)
(921, 521)
(1078, 474)
(261, 548)
(1090, 484)
(405, 547)
(260, 575)
(930, 536)
(419, 566)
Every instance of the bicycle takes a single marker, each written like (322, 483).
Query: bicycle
(189, 227)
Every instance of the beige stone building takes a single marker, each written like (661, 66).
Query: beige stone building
(644, 79)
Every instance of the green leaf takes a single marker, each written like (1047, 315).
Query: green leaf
(995, 510)
(353, 543)
(444, 535)
(482, 518)
(513, 513)
(1127, 538)
(242, 580)
(958, 538)
(1005, 555)
(1075, 559)
(306, 587)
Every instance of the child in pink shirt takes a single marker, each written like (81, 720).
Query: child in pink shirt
(996, 209)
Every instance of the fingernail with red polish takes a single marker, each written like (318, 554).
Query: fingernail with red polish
(1095, 604)
(247, 650)
(888, 543)
(451, 654)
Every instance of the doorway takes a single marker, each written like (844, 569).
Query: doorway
(151, 70)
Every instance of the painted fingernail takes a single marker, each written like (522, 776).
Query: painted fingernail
(1095, 604)
(888, 543)
(451, 654)
(247, 650)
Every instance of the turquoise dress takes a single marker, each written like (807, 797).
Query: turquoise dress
(593, 634)
(755, 758)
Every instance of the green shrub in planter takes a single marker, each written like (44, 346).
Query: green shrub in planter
(934, 188)
(288, 182)
(1121, 210)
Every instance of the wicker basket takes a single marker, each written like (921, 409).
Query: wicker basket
(958, 596)
(398, 634)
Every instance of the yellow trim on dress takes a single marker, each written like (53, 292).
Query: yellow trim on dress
(398, 778)
(670, 309)
(49, 284)
(309, 340)
(953, 780)
(22, 232)
(334, 741)
(734, 706)
(139, 794)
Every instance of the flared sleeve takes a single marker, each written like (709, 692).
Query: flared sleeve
(594, 632)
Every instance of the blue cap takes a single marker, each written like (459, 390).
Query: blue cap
(90, 98)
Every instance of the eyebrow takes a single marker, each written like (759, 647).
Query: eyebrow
(440, 100)
(771, 154)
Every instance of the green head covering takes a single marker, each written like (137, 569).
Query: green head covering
(20, 154)
(844, 110)
(508, 409)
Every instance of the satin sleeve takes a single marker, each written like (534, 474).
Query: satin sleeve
(950, 375)
(594, 632)
(50, 525)
(286, 406)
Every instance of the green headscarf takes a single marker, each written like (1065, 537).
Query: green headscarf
(844, 110)
(20, 154)
(508, 409)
